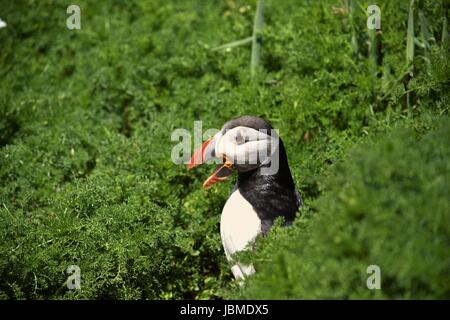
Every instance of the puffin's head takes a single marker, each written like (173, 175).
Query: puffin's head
(243, 144)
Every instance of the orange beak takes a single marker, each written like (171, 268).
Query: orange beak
(222, 172)
(199, 154)
(205, 153)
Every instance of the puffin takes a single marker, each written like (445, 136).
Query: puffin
(264, 188)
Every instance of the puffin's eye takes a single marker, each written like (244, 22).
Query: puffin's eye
(241, 139)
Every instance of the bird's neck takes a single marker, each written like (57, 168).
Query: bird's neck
(271, 195)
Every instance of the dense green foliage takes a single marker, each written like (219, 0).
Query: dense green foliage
(86, 177)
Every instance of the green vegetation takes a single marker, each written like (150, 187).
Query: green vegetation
(86, 118)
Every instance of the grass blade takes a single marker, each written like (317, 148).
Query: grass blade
(425, 35)
(444, 38)
(409, 56)
(376, 56)
(410, 35)
(376, 61)
(354, 39)
(234, 44)
(256, 38)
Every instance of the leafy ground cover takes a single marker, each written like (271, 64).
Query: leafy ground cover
(86, 118)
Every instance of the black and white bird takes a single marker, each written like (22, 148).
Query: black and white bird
(264, 188)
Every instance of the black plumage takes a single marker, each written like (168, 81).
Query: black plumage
(271, 196)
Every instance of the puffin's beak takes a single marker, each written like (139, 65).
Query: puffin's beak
(222, 172)
(205, 153)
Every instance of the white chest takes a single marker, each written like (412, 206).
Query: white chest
(239, 224)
